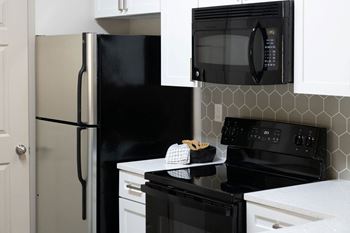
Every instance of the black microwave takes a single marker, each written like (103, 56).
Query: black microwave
(246, 44)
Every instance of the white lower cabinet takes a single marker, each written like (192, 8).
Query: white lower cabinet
(263, 218)
(132, 208)
(132, 217)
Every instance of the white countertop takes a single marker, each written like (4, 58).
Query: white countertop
(143, 166)
(327, 200)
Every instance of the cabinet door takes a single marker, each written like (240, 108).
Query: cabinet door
(208, 3)
(116, 8)
(132, 217)
(176, 31)
(322, 47)
(263, 218)
(108, 8)
(137, 7)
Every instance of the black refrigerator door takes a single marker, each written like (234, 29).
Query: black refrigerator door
(139, 119)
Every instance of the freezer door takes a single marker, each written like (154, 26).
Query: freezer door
(60, 206)
(61, 61)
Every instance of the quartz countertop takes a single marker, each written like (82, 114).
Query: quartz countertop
(327, 200)
(143, 166)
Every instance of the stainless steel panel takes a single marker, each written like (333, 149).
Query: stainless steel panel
(59, 193)
(58, 61)
(91, 69)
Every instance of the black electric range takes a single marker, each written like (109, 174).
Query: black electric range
(260, 155)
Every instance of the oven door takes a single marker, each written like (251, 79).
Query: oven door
(174, 211)
(238, 51)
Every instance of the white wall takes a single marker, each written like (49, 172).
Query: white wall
(54, 17)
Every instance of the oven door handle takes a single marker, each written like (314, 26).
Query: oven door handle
(257, 76)
(187, 199)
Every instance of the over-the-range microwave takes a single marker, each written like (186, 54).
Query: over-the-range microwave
(246, 44)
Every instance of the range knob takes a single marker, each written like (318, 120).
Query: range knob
(308, 141)
(298, 140)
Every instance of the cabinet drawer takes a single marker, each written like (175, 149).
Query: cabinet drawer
(130, 186)
(132, 217)
(263, 218)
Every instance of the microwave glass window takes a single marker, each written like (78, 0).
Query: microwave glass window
(223, 49)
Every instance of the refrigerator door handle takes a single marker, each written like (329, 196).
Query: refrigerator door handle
(80, 81)
(80, 173)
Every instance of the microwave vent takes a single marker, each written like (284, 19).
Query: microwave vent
(273, 9)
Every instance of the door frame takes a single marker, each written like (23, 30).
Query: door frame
(32, 114)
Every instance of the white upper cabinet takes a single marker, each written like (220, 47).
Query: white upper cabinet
(176, 31)
(322, 47)
(208, 3)
(116, 8)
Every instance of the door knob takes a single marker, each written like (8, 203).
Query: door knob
(21, 149)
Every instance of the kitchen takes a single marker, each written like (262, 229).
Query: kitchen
(318, 97)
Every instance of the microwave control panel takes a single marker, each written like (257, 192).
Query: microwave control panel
(270, 50)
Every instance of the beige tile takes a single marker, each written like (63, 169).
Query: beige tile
(339, 124)
(345, 106)
(288, 102)
(333, 141)
(282, 115)
(262, 100)
(275, 101)
(331, 105)
(211, 111)
(227, 97)
(338, 160)
(309, 118)
(302, 103)
(323, 120)
(269, 114)
(332, 173)
(206, 125)
(238, 98)
(233, 111)
(344, 143)
(256, 113)
(217, 96)
(316, 104)
(206, 95)
(250, 99)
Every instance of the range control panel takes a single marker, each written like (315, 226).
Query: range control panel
(301, 140)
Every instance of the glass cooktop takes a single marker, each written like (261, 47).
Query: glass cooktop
(223, 182)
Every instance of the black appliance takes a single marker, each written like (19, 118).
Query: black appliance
(261, 155)
(99, 102)
(246, 44)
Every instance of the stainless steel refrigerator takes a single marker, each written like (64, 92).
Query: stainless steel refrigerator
(99, 102)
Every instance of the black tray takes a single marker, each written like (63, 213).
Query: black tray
(203, 156)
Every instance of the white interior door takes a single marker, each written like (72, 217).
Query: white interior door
(14, 169)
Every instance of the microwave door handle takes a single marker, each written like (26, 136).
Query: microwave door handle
(255, 75)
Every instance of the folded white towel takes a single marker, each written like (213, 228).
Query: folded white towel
(178, 154)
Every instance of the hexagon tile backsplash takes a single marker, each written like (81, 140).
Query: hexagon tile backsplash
(281, 104)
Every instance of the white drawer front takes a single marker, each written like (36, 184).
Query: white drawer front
(263, 218)
(130, 186)
(132, 217)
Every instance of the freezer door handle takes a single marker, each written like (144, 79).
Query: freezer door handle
(80, 173)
